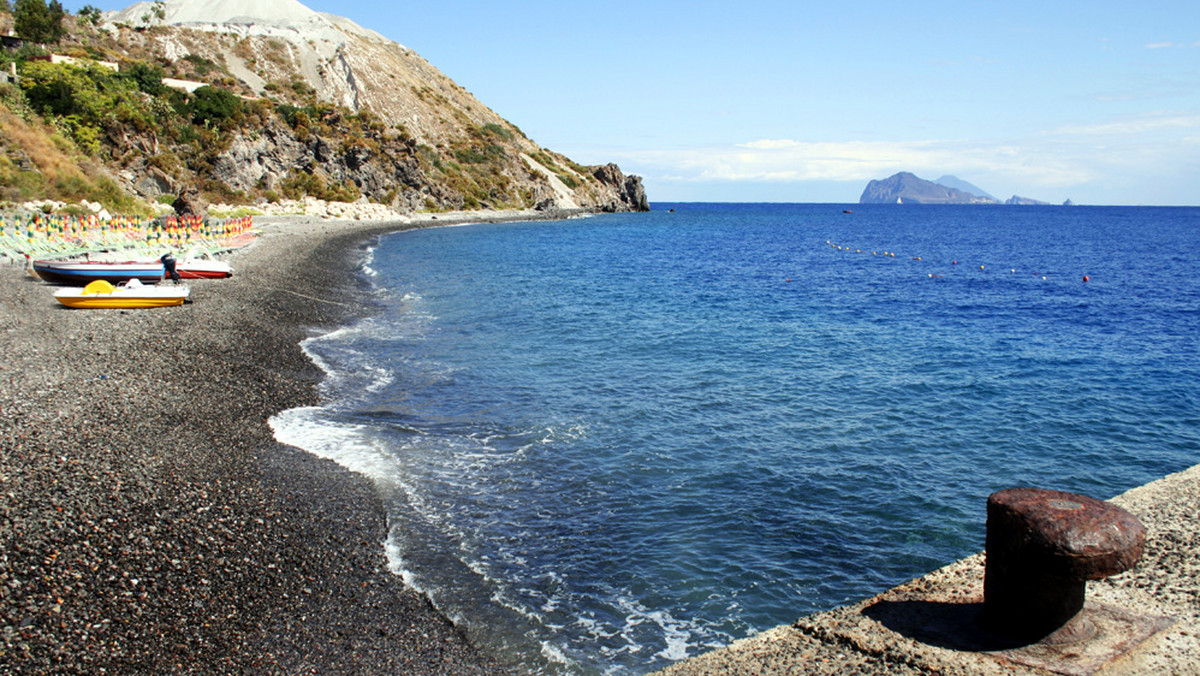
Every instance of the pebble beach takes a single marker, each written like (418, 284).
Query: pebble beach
(150, 523)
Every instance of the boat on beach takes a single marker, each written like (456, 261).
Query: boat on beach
(145, 271)
(129, 294)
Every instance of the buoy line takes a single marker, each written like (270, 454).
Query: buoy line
(953, 262)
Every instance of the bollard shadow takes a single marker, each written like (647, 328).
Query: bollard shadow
(955, 626)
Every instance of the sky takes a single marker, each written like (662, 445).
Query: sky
(794, 101)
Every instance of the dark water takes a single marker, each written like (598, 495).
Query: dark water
(613, 442)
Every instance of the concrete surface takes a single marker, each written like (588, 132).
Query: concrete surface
(1150, 615)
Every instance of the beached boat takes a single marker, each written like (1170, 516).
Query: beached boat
(203, 269)
(82, 272)
(130, 294)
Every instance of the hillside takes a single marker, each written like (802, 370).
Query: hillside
(959, 184)
(266, 100)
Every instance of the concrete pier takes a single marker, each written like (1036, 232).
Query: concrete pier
(1148, 617)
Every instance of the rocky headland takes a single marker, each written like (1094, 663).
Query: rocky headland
(250, 103)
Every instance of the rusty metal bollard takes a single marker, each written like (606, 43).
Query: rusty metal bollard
(1042, 548)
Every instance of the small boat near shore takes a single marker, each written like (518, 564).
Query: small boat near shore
(131, 294)
(147, 272)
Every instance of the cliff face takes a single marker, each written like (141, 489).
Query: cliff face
(330, 105)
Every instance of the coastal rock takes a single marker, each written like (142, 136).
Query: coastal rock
(153, 182)
(265, 158)
(386, 172)
(630, 194)
(189, 203)
(1023, 201)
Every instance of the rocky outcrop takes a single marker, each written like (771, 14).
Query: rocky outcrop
(385, 172)
(189, 203)
(628, 192)
(1024, 201)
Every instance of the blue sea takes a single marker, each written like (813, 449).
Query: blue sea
(610, 443)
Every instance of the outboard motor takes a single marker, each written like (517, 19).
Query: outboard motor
(168, 262)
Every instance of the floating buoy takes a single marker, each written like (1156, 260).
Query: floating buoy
(953, 262)
(980, 267)
(1085, 278)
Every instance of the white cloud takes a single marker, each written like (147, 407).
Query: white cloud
(788, 160)
(1171, 45)
(1136, 125)
(1116, 161)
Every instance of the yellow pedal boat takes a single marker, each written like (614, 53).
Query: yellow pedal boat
(131, 294)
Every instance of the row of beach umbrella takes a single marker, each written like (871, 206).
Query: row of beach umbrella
(54, 236)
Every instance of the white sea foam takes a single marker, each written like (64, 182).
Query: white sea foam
(555, 654)
(367, 262)
(367, 376)
(396, 564)
(675, 633)
(344, 443)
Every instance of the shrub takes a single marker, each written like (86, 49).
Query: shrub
(214, 106)
(146, 77)
(489, 153)
(299, 184)
(296, 116)
(494, 129)
(201, 65)
(88, 14)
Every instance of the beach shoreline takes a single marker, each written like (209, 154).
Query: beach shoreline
(151, 522)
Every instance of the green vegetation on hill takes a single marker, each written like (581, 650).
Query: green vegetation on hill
(38, 162)
(120, 135)
(105, 115)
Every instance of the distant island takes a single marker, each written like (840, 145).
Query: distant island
(908, 188)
